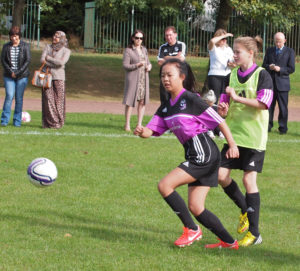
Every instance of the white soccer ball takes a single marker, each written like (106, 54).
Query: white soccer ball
(26, 117)
(42, 172)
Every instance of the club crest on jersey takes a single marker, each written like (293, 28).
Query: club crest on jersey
(182, 104)
(164, 110)
(176, 49)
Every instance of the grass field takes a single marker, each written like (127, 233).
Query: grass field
(106, 198)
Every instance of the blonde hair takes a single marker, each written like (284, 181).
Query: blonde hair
(220, 32)
(251, 44)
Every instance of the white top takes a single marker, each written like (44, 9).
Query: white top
(219, 57)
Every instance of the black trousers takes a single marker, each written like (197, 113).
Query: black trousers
(217, 84)
(282, 98)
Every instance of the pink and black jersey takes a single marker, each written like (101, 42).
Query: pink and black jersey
(188, 116)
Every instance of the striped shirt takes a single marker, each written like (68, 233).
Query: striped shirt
(14, 56)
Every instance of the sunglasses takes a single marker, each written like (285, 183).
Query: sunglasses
(138, 38)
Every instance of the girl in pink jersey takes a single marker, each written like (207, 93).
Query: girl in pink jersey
(189, 118)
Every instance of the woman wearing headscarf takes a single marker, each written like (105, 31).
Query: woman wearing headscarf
(15, 59)
(55, 55)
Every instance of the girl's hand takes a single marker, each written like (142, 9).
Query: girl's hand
(231, 64)
(232, 152)
(231, 92)
(223, 109)
(138, 130)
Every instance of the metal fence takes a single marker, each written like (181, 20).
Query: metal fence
(105, 34)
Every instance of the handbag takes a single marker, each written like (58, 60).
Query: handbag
(42, 78)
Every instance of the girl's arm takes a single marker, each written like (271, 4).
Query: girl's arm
(143, 132)
(233, 151)
(246, 101)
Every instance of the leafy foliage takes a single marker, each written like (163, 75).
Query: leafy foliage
(279, 12)
(121, 8)
(67, 15)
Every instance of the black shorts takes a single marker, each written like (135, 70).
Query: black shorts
(249, 160)
(206, 172)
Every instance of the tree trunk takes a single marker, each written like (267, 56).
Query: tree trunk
(18, 12)
(224, 13)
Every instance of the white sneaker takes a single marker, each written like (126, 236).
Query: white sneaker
(211, 134)
(221, 136)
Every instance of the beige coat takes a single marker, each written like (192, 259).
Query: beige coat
(56, 61)
(130, 61)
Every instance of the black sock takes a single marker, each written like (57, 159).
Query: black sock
(236, 195)
(253, 203)
(212, 222)
(179, 207)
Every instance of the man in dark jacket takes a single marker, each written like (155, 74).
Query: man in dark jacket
(279, 61)
(15, 59)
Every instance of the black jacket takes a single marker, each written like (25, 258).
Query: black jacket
(24, 60)
(286, 62)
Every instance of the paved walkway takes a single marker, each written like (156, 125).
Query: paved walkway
(114, 107)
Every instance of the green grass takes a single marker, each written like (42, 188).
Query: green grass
(106, 198)
(101, 76)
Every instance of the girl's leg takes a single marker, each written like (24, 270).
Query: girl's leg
(253, 201)
(197, 196)
(232, 190)
(166, 187)
(140, 112)
(128, 111)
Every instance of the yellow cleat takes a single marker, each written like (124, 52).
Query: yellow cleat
(243, 223)
(250, 239)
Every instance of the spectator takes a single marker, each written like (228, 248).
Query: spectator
(56, 56)
(279, 61)
(221, 60)
(171, 49)
(15, 58)
(137, 67)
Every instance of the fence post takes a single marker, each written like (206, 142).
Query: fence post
(264, 39)
(38, 26)
(132, 18)
(89, 25)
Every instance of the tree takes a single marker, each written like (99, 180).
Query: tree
(281, 13)
(18, 11)
(120, 8)
(19, 5)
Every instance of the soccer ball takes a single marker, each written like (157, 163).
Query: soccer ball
(26, 117)
(42, 172)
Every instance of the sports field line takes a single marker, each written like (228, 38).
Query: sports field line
(37, 133)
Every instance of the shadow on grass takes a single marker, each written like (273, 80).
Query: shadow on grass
(128, 232)
(278, 208)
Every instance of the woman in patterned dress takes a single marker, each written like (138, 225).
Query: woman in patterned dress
(55, 56)
(137, 66)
